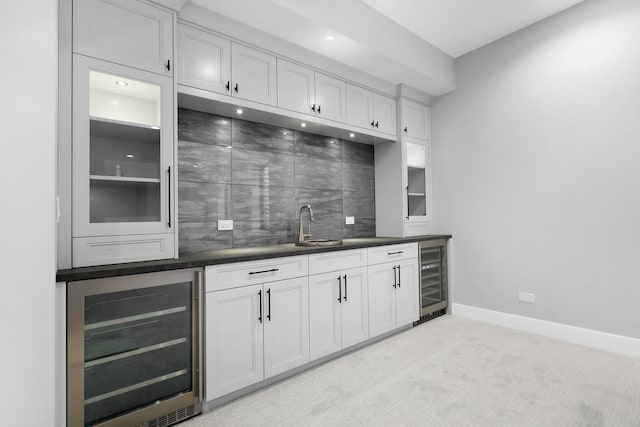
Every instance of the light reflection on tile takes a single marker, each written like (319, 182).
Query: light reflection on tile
(196, 126)
(256, 136)
(199, 162)
(256, 168)
(261, 203)
(318, 146)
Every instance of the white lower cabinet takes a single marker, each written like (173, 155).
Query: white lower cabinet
(393, 295)
(255, 332)
(338, 312)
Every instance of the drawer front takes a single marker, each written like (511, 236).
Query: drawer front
(89, 251)
(389, 253)
(233, 275)
(339, 260)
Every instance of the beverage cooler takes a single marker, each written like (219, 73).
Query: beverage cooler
(433, 279)
(134, 349)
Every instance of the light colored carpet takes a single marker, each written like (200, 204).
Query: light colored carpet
(450, 372)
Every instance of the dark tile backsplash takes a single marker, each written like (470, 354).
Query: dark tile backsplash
(259, 176)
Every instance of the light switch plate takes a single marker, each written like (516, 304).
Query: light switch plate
(349, 220)
(225, 224)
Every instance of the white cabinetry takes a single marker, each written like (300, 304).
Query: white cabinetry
(123, 200)
(253, 74)
(210, 62)
(204, 60)
(338, 313)
(416, 119)
(393, 288)
(403, 180)
(255, 331)
(370, 110)
(133, 33)
(306, 91)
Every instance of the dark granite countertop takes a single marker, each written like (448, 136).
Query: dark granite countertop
(222, 256)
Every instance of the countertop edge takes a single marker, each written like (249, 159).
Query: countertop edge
(223, 256)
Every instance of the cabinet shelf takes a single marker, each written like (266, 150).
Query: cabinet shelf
(124, 179)
(121, 130)
(416, 194)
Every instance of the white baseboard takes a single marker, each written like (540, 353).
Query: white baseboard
(587, 337)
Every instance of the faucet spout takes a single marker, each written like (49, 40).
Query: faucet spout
(301, 234)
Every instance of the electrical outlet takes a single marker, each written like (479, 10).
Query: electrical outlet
(527, 297)
(225, 224)
(350, 220)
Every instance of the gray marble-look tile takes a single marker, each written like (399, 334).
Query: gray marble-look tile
(198, 162)
(358, 176)
(364, 227)
(318, 146)
(325, 228)
(262, 203)
(203, 202)
(261, 233)
(354, 152)
(258, 168)
(359, 203)
(318, 173)
(325, 203)
(256, 136)
(202, 236)
(196, 126)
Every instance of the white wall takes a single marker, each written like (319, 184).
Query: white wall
(537, 170)
(27, 133)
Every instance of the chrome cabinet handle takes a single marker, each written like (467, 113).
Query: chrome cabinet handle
(395, 277)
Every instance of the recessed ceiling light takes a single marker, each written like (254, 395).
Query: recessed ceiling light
(224, 122)
(284, 133)
(332, 142)
(155, 127)
(304, 125)
(228, 146)
(130, 156)
(239, 111)
(195, 166)
(329, 38)
(121, 83)
(351, 135)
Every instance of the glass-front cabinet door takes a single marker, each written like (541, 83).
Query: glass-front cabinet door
(122, 163)
(417, 181)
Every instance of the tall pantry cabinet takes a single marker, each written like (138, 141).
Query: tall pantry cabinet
(403, 175)
(123, 176)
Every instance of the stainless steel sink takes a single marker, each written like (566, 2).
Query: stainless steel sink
(320, 242)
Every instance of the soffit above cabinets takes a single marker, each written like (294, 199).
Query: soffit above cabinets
(410, 42)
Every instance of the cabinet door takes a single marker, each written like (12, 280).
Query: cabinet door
(355, 307)
(382, 299)
(234, 339)
(253, 75)
(295, 87)
(360, 107)
(126, 32)
(384, 111)
(204, 60)
(417, 180)
(286, 325)
(122, 159)
(416, 120)
(331, 98)
(407, 293)
(325, 330)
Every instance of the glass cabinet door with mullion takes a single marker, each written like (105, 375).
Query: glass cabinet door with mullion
(122, 150)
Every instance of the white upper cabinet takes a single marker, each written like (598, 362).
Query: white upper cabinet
(253, 75)
(132, 33)
(306, 91)
(204, 60)
(416, 119)
(384, 113)
(370, 110)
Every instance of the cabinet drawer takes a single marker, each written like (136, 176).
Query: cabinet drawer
(334, 261)
(233, 275)
(388, 253)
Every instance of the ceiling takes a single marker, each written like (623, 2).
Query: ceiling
(414, 42)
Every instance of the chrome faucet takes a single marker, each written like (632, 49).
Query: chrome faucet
(301, 233)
